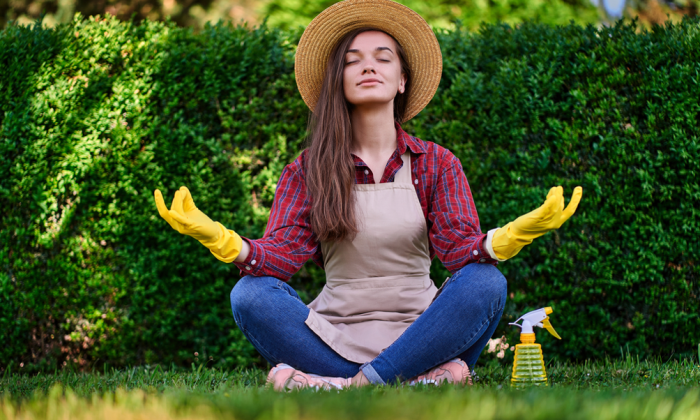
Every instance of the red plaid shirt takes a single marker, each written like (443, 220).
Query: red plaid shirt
(442, 189)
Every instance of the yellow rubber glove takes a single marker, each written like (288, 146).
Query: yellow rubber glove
(511, 238)
(187, 219)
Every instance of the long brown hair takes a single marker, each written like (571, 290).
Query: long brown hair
(330, 169)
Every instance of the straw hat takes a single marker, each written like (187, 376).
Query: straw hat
(406, 26)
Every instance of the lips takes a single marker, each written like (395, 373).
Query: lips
(369, 81)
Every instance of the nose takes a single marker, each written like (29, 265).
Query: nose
(368, 69)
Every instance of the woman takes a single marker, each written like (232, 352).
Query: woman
(372, 205)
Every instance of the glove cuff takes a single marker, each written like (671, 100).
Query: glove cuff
(227, 247)
(506, 244)
(488, 244)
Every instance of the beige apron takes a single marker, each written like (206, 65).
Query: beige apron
(379, 283)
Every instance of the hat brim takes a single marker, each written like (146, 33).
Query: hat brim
(406, 26)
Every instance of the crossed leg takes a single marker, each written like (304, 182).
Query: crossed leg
(458, 324)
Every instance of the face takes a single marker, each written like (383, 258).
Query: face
(372, 73)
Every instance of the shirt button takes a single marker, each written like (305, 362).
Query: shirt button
(253, 262)
(366, 172)
(482, 260)
(415, 182)
(247, 267)
(476, 252)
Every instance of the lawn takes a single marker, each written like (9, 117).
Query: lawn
(613, 389)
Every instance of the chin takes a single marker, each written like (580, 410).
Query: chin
(371, 101)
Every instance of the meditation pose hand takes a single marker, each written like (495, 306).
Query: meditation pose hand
(187, 219)
(511, 238)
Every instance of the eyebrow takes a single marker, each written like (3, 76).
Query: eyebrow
(376, 49)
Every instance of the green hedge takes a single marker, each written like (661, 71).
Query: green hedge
(96, 114)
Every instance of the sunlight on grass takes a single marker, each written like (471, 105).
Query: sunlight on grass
(611, 389)
(371, 403)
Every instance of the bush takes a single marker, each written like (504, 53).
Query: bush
(96, 114)
(616, 111)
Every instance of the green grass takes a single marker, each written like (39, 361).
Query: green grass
(613, 389)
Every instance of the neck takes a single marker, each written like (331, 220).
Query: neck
(373, 131)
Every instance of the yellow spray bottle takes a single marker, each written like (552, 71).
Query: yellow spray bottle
(528, 367)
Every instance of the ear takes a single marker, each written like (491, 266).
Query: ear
(402, 83)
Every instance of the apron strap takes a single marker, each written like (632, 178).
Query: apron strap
(404, 175)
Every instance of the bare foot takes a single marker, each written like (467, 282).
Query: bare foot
(359, 380)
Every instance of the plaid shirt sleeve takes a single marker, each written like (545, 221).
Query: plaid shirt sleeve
(455, 234)
(288, 241)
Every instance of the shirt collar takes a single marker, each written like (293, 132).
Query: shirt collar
(404, 141)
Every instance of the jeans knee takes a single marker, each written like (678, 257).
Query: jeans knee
(487, 281)
(245, 294)
(498, 282)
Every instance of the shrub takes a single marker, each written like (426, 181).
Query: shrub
(96, 114)
(616, 111)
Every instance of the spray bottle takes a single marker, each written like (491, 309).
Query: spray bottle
(528, 367)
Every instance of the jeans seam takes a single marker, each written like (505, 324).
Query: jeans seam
(493, 314)
(442, 288)
(444, 285)
(281, 284)
(478, 329)
(465, 347)
(499, 307)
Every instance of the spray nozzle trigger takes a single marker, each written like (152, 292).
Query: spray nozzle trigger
(548, 326)
(536, 318)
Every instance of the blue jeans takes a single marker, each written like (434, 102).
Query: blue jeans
(458, 323)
